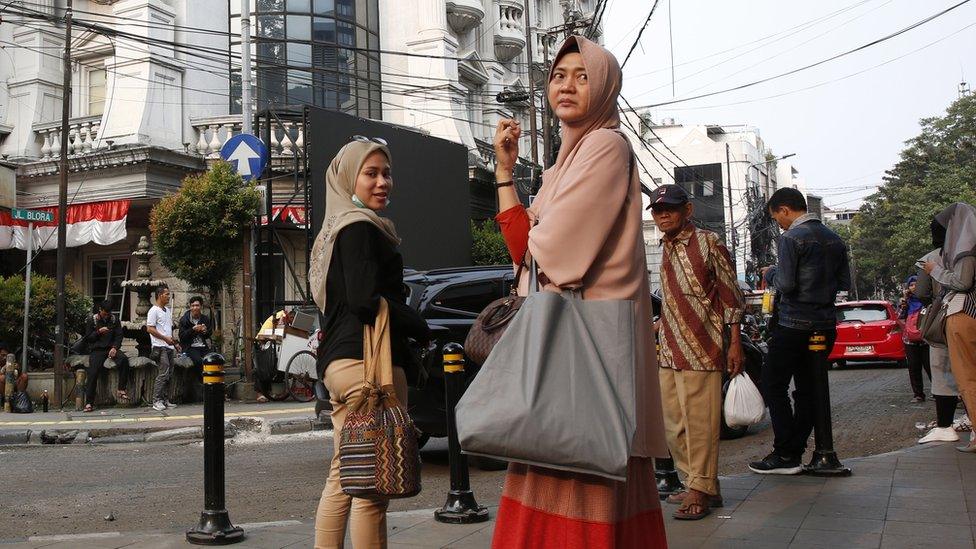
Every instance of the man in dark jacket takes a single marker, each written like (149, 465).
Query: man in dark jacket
(195, 330)
(811, 268)
(103, 337)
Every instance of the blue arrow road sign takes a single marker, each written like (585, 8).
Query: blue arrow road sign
(247, 154)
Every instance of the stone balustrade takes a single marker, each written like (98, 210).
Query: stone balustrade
(464, 15)
(213, 132)
(510, 31)
(82, 137)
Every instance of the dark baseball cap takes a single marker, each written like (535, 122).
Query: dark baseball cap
(669, 194)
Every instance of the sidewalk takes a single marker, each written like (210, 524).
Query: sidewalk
(108, 425)
(919, 497)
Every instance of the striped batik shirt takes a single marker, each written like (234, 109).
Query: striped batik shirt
(700, 297)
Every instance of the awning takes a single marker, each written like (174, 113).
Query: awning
(293, 214)
(99, 222)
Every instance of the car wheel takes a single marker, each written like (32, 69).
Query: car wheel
(902, 364)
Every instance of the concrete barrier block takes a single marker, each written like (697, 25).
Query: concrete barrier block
(290, 426)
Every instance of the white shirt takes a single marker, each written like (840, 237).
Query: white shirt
(161, 319)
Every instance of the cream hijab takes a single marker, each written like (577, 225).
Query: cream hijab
(959, 219)
(340, 212)
(604, 79)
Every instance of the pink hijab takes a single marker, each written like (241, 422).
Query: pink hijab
(605, 79)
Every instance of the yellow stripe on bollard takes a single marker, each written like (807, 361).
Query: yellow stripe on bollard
(210, 380)
(212, 368)
(453, 363)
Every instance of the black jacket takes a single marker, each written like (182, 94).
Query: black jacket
(186, 333)
(366, 266)
(103, 342)
(811, 268)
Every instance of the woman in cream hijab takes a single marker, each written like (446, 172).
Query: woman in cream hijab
(585, 233)
(355, 262)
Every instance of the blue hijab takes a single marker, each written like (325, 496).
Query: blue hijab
(914, 303)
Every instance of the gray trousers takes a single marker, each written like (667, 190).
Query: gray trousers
(164, 373)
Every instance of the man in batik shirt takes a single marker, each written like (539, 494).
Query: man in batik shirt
(702, 308)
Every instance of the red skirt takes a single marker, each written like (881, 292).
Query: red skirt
(543, 508)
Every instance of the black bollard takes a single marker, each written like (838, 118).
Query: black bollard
(824, 462)
(461, 507)
(215, 527)
(667, 478)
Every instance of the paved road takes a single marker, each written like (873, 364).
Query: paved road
(67, 489)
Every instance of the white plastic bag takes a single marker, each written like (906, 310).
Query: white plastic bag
(743, 403)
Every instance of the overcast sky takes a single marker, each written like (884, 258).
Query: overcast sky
(844, 133)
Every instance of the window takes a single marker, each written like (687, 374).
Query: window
(469, 298)
(708, 188)
(96, 92)
(862, 314)
(106, 279)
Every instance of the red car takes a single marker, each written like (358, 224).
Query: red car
(868, 331)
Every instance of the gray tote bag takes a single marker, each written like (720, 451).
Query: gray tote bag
(557, 390)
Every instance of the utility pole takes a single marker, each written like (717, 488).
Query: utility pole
(532, 120)
(246, 114)
(59, 330)
(546, 114)
(728, 181)
(247, 118)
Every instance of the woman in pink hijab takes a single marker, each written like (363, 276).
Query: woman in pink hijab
(585, 233)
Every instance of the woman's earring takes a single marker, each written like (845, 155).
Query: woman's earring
(357, 202)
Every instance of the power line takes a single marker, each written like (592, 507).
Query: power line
(787, 32)
(834, 80)
(760, 62)
(639, 34)
(817, 63)
(263, 39)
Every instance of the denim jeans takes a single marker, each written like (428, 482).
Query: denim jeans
(790, 358)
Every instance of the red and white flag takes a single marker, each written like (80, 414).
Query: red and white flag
(99, 222)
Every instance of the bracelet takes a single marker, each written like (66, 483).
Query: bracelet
(504, 184)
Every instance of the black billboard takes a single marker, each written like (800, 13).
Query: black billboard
(430, 202)
(706, 190)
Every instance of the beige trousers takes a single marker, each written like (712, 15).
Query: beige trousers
(367, 524)
(692, 403)
(961, 339)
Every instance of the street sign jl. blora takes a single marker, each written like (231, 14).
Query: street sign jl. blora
(247, 154)
(32, 215)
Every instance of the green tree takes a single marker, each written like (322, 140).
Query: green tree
(936, 168)
(198, 231)
(488, 244)
(43, 311)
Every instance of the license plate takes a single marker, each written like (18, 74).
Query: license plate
(860, 349)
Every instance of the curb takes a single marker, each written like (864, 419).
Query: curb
(233, 427)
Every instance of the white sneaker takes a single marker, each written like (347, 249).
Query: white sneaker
(159, 406)
(940, 434)
(169, 404)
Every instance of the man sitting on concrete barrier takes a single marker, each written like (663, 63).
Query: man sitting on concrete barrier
(103, 337)
(195, 329)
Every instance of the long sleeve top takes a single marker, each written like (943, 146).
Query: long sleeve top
(700, 296)
(366, 266)
(589, 235)
(103, 342)
(959, 281)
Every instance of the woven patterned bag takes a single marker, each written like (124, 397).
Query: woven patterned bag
(378, 453)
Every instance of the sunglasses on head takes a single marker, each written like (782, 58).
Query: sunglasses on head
(364, 139)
